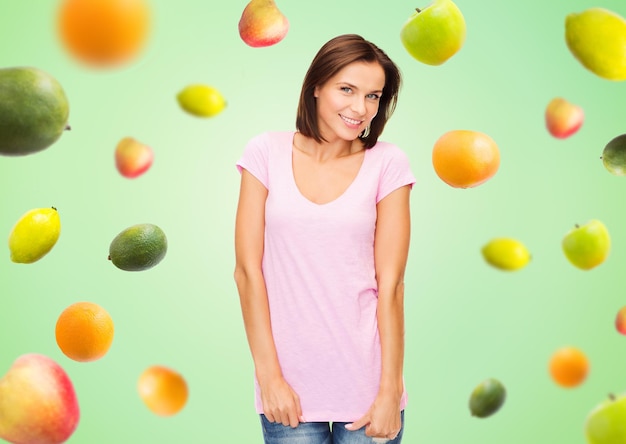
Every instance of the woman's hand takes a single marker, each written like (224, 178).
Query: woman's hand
(382, 420)
(281, 403)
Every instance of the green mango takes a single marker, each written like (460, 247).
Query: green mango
(34, 111)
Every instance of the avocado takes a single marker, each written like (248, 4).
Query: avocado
(487, 398)
(34, 111)
(138, 247)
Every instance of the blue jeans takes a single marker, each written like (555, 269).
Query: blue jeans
(318, 433)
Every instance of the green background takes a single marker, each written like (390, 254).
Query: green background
(465, 321)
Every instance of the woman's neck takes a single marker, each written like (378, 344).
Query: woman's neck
(325, 151)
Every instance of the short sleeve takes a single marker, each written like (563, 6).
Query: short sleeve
(395, 173)
(254, 159)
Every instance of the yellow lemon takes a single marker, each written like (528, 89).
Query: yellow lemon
(597, 38)
(506, 254)
(34, 235)
(201, 100)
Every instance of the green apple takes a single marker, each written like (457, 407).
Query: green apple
(434, 34)
(587, 246)
(606, 423)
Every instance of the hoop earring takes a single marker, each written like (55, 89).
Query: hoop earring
(365, 133)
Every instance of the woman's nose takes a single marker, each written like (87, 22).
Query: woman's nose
(358, 105)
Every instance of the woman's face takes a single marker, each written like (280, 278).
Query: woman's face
(348, 101)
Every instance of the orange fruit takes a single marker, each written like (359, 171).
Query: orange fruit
(163, 390)
(84, 331)
(103, 32)
(568, 366)
(465, 159)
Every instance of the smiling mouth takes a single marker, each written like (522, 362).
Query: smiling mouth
(350, 121)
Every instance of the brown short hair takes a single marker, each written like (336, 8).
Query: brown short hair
(335, 55)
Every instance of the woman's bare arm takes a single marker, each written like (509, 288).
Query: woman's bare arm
(280, 402)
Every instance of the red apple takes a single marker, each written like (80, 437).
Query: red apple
(262, 24)
(132, 158)
(38, 403)
(620, 321)
(563, 118)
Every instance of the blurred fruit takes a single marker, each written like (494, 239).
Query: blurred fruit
(132, 158)
(487, 398)
(620, 321)
(465, 159)
(84, 331)
(33, 111)
(163, 390)
(104, 33)
(606, 423)
(506, 254)
(434, 34)
(138, 247)
(563, 118)
(568, 367)
(201, 100)
(262, 24)
(587, 246)
(614, 156)
(597, 39)
(34, 235)
(38, 404)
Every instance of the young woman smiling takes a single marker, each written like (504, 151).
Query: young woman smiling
(321, 243)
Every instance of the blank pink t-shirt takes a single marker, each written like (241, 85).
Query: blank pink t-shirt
(318, 265)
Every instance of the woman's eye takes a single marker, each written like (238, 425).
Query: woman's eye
(346, 89)
(373, 96)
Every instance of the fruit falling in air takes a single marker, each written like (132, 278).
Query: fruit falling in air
(163, 390)
(201, 100)
(84, 331)
(434, 34)
(138, 247)
(568, 366)
(563, 118)
(587, 246)
(597, 39)
(38, 403)
(34, 235)
(103, 33)
(487, 398)
(606, 423)
(465, 159)
(614, 156)
(506, 254)
(620, 321)
(262, 24)
(133, 158)
(33, 111)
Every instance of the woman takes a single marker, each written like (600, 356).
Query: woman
(321, 244)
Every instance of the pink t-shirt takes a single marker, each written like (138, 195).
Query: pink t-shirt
(318, 265)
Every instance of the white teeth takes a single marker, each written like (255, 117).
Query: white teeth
(351, 121)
